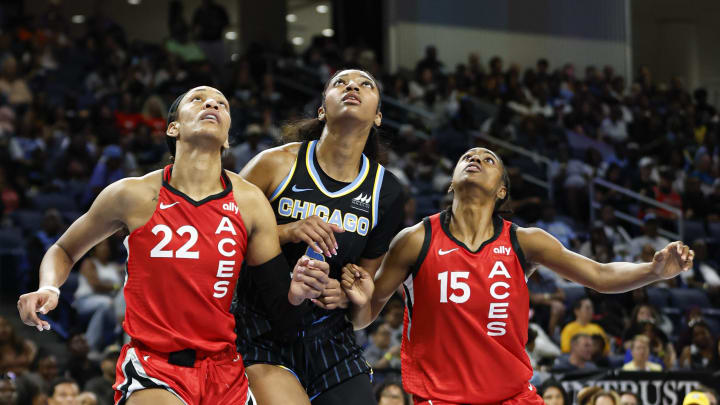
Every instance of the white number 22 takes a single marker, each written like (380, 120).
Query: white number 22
(182, 253)
(455, 284)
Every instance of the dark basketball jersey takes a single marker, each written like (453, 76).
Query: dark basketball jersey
(369, 209)
(466, 318)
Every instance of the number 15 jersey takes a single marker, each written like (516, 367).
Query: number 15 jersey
(182, 268)
(466, 318)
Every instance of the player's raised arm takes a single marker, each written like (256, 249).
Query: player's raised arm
(106, 216)
(280, 293)
(541, 247)
(368, 299)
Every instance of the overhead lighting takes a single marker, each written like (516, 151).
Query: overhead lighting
(297, 41)
(328, 32)
(134, 2)
(291, 18)
(78, 19)
(322, 9)
(231, 35)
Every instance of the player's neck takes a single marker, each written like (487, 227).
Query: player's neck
(339, 150)
(471, 223)
(197, 173)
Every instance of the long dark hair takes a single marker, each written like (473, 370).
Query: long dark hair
(308, 129)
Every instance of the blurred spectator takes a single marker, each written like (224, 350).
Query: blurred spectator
(557, 228)
(8, 392)
(547, 301)
(99, 281)
(598, 247)
(40, 380)
(580, 357)
(79, 366)
(391, 393)
(696, 398)
(650, 237)
(87, 398)
(598, 351)
(9, 197)
(629, 398)
(254, 144)
(616, 234)
(665, 194)
(543, 347)
(14, 88)
(702, 353)
(605, 398)
(705, 273)
(40, 241)
(109, 169)
(710, 393)
(641, 354)
(63, 391)
(553, 393)
(382, 352)
(644, 314)
(585, 395)
(430, 61)
(16, 353)
(583, 310)
(393, 315)
(102, 385)
(614, 127)
(693, 200)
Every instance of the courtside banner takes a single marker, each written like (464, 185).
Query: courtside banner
(661, 388)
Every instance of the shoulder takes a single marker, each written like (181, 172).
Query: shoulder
(133, 190)
(391, 185)
(245, 191)
(279, 156)
(410, 238)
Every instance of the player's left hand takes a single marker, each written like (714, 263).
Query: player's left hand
(358, 284)
(310, 277)
(333, 296)
(675, 258)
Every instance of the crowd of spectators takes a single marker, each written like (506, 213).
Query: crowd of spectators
(80, 111)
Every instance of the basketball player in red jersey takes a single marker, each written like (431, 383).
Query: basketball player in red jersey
(191, 227)
(464, 273)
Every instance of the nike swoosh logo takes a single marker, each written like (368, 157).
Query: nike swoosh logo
(166, 206)
(146, 357)
(444, 252)
(298, 190)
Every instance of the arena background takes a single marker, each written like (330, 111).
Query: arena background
(605, 112)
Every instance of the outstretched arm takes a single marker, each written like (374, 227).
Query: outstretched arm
(369, 298)
(617, 277)
(105, 217)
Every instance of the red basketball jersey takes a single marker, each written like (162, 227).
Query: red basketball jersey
(466, 318)
(182, 268)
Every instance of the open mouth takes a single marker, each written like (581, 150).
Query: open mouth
(473, 167)
(210, 116)
(351, 98)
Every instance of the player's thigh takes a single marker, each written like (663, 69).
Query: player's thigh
(355, 391)
(273, 385)
(153, 396)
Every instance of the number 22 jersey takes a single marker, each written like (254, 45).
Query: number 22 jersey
(182, 268)
(466, 318)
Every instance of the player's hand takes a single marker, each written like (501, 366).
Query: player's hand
(675, 258)
(333, 296)
(358, 284)
(317, 233)
(39, 301)
(309, 279)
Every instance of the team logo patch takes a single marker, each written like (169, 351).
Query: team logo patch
(361, 202)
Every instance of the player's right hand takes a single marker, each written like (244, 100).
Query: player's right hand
(358, 284)
(32, 303)
(316, 233)
(309, 279)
